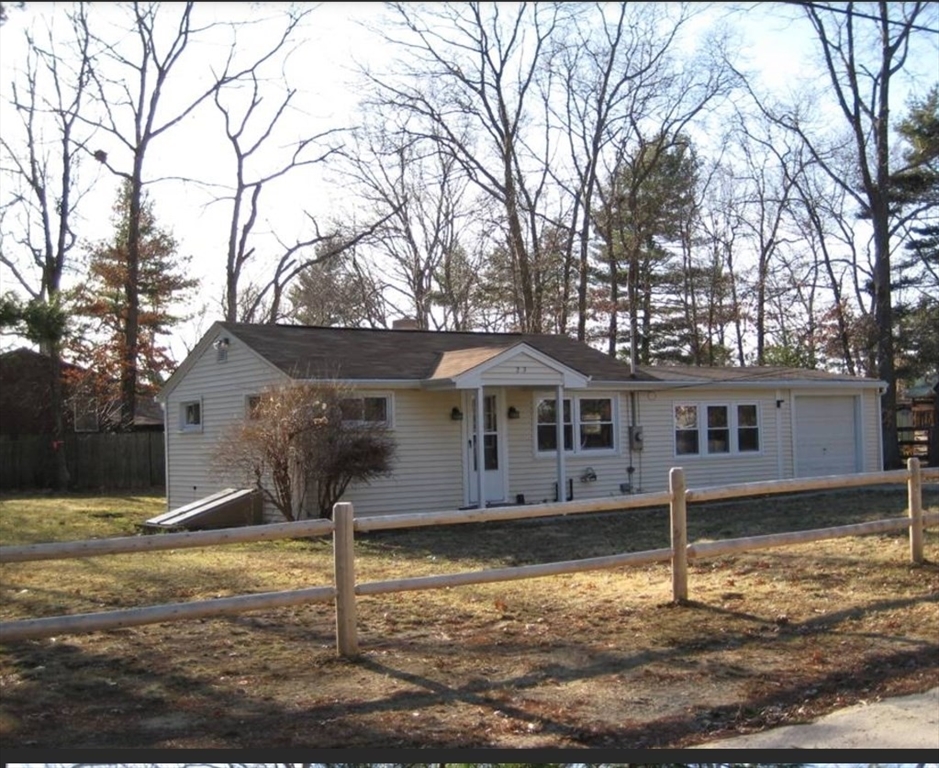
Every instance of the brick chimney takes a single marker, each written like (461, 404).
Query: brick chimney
(405, 324)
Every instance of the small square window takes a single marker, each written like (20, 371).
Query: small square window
(190, 416)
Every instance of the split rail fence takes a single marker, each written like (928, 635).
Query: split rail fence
(344, 590)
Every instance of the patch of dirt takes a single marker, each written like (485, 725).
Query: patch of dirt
(599, 659)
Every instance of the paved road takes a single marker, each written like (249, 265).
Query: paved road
(904, 722)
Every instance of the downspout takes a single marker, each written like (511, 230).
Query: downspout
(480, 451)
(166, 452)
(633, 374)
(633, 422)
(779, 444)
(793, 437)
(559, 411)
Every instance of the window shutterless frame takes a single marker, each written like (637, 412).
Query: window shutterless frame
(368, 408)
(190, 416)
(589, 424)
(712, 429)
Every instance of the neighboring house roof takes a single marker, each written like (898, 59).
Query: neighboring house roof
(148, 412)
(406, 355)
(27, 356)
(24, 394)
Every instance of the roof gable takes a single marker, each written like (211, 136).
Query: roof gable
(495, 366)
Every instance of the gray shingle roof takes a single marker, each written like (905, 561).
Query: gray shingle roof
(413, 355)
(366, 353)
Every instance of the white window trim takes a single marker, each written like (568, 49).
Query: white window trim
(576, 449)
(183, 426)
(733, 425)
(388, 397)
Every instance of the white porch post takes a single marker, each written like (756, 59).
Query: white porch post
(559, 410)
(480, 451)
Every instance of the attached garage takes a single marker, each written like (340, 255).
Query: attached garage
(827, 435)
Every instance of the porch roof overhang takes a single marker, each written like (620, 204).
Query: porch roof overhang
(514, 365)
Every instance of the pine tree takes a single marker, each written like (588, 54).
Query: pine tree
(100, 307)
(916, 191)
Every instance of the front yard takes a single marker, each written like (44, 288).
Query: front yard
(600, 659)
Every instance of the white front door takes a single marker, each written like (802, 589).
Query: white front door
(493, 446)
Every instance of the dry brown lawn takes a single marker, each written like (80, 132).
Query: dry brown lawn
(600, 659)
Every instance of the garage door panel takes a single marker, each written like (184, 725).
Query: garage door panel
(826, 436)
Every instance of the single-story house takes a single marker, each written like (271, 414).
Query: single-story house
(621, 430)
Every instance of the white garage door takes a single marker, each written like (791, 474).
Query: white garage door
(826, 436)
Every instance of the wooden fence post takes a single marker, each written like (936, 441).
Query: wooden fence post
(347, 642)
(915, 499)
(678, 508)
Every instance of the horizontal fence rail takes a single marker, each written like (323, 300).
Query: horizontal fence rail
(189, 540)
(514, 573)
(748, 543)
(28, 629)
(344, 525)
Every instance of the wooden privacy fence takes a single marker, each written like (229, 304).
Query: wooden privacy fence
(95, 460)
(344, 590)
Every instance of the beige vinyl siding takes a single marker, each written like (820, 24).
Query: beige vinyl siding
(428, 470)
(535, 475)
(523, 370)
(656, 415)
(783, 419)
(222, 388)
(870, 431)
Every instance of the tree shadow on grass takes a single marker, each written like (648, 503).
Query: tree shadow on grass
(71, 695)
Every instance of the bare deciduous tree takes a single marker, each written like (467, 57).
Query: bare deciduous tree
(470, 87)
(42, 195)
(862, 52)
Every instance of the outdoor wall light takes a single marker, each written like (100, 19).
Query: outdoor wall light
(222, 343)
(513, 412)
(456, 414)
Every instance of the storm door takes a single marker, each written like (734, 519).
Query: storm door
(494, 464)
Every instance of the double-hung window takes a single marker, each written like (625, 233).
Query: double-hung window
(748, 428)
(547, 428)
(716, 429)
(686, 430)
(366, 409)
(588, 424)
(595, 420)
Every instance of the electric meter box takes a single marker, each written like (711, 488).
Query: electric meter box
(635, 438)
